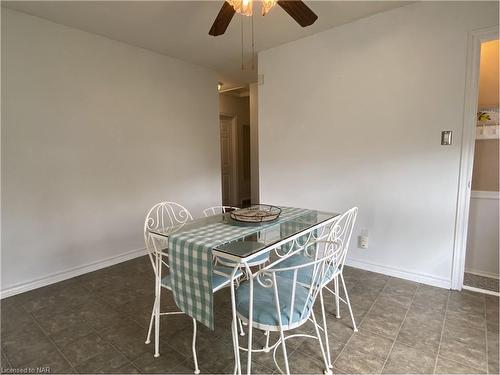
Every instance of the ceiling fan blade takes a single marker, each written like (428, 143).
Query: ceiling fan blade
(223, 19)
(299, 11)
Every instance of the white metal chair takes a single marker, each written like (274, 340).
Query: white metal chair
(340, 237)
(275, 300)
(215, 210)
(164, 216)
(338, 240)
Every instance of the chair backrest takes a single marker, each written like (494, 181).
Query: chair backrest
(218, 210)
(299, 298)
(162, 216)
(340, 237)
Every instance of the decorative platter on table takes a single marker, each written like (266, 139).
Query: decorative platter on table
(259, 213)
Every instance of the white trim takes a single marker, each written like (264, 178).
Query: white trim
(401, 273)
(478, 194)
(482, 273)
(467, 150)
(487, 132)
(69, 273)
(479, 290)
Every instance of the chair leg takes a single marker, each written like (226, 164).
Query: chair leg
(283, 346)
(327, 344)
(249, 353)
(266, 348)
(349, 304)
(327, 369)
(236, 348)
(195, 357)
(242, 333)
(234, 331)
(148, 338)
(157, 327)
(337, 297)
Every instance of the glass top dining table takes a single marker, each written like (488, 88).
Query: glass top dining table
(259, 237)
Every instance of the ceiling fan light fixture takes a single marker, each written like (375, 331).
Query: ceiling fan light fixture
(243, 7)
(296, 9)
(267, 5)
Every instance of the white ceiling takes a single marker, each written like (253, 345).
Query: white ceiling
(180, 28)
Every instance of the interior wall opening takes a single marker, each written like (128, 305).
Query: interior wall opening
(482, 255)
(235, 138)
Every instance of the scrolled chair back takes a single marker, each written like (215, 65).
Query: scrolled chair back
(163, 216)
(210, 211)
(289, 291)
(340, 237)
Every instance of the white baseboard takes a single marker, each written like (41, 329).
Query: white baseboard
(69, 273)
(479, 290)
(402, 274)
(483, 273)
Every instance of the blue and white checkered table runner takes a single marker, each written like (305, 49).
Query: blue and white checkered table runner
(190, 260)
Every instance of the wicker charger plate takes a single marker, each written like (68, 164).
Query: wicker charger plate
(260, 213)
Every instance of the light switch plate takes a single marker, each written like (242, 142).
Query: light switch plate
(446, 137)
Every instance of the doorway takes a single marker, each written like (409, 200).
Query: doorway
(481, 260)
(475, 265)
(235, 138)
(229, 173)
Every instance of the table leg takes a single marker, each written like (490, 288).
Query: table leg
(236, 345)
(250, 327)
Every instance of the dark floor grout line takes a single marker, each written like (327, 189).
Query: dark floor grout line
(400, 326)
(360, 323)
(53, 343)
(479, 371)
(463, 363)
(7, 358)
(442, 331)
(94, 331)
(486, 337)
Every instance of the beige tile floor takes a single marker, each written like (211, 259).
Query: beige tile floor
(96, 323)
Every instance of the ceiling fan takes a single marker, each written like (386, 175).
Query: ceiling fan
(299, 11)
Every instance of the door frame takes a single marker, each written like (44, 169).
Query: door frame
(234, 154)
(474, 40)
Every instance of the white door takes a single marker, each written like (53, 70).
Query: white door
(228, 164)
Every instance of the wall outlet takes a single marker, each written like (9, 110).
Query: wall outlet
(363, 239)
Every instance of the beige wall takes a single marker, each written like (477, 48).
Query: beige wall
(488, 75)
(94, 132)
(352, 117)
(240, 107)
(486, 167)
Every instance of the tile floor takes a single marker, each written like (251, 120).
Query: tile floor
(96, 323)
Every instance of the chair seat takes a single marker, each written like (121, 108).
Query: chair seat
(220, 277)
(304, 274)
(265, 314)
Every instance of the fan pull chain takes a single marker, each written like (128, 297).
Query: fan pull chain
(253, 48)
(242, 65)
